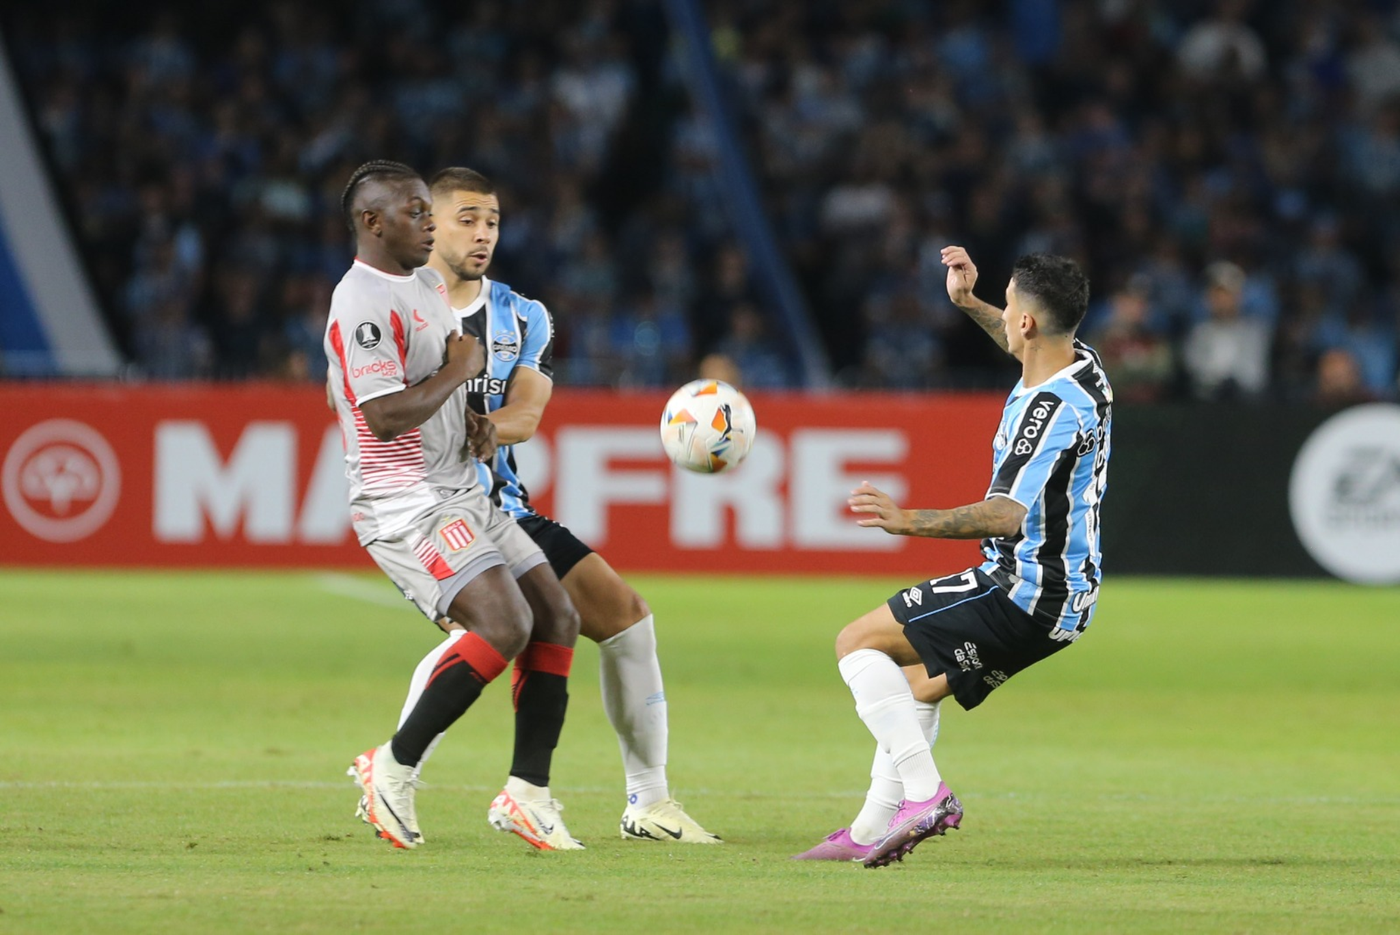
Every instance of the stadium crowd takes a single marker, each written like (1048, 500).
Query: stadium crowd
(1227, 171)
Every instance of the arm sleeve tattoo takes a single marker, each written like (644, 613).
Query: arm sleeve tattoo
(990, 518)
(988, 318)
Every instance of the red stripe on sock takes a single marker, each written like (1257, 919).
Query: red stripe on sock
(546, 657)
(517, 683)
(480, 655)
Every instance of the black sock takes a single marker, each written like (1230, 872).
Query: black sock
(461, 674)
(540, 703)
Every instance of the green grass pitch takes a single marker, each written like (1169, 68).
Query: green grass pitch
(1213, 756)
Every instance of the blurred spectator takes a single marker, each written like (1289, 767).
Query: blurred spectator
(758, 360)
(719, 367)
(1369, 343)
(1223, 46)
(1227, 355)
(1339, 379)
(1138, 361)
(1143, 138)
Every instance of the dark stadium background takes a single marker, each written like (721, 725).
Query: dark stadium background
(763, 187)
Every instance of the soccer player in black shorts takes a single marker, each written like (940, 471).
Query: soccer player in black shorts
(518, 336)
(1039, 526)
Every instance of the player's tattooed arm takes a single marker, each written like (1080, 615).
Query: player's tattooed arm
(994, 517)
(962, 276)
(988, 318)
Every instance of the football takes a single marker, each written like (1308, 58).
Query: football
(707, 427)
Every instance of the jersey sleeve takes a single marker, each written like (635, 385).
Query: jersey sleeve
(370, 344)
(538, 350)
(1048, 426)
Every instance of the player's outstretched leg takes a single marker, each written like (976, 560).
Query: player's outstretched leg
(616, 618)
(498, 621)
(539, 688)
(870, 652)
(885, 793)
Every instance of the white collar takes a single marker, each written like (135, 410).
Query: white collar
(389, 276)
(478, 302)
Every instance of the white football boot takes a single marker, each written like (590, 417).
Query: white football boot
(388, 796)
(537, 822)
(664, 821)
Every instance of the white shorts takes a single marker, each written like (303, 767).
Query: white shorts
(447, 547)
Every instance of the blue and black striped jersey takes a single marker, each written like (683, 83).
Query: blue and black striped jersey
(1051, 456)
(515, 332)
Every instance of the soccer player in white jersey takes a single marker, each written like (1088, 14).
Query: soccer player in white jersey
(518, 336)
(1036, 591)
(398, 365)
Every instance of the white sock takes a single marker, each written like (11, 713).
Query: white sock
(886, 788)
(886, 705)
(523, 791)
(421, 674)
(635, 701)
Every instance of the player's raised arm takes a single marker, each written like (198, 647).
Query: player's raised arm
(962, 276)
(391, 415)
(995, 517)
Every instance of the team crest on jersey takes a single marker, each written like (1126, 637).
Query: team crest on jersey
(505, 346)
(368, 335)
(457, 534)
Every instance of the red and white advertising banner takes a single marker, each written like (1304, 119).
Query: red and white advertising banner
(253, 476)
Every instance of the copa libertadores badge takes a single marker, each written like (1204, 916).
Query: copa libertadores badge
(1344, 494)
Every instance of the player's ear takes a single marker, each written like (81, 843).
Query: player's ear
(371, 220)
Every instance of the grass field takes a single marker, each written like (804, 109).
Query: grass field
(1213, 756)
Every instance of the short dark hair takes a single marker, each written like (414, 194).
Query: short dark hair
(385, 169)
(1057, 285)
(460, 179)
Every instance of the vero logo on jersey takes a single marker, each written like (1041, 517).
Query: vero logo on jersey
(418, 323)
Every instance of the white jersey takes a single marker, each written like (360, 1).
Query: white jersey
(385, 334)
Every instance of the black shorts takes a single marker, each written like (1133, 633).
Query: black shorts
(562, 548)
(966, 627)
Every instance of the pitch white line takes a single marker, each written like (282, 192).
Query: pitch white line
(359, 590)
(728, 793)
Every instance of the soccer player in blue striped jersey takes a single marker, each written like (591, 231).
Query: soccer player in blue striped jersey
(1036, 591)
(517, 335)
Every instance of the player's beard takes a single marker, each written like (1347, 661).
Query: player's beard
(465, 275)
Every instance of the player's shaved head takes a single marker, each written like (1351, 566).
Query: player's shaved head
(1055, 285)
(459, 179)
(371, 186)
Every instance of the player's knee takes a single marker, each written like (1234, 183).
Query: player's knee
(511, 629)
(559, 623)
(501, 616)
(637, 608)
(849, 640)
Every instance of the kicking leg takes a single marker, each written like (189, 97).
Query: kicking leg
(870, 652)
(886, 789)
(616, 617)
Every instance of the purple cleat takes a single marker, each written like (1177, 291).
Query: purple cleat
(912, 823)
(837, 846)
